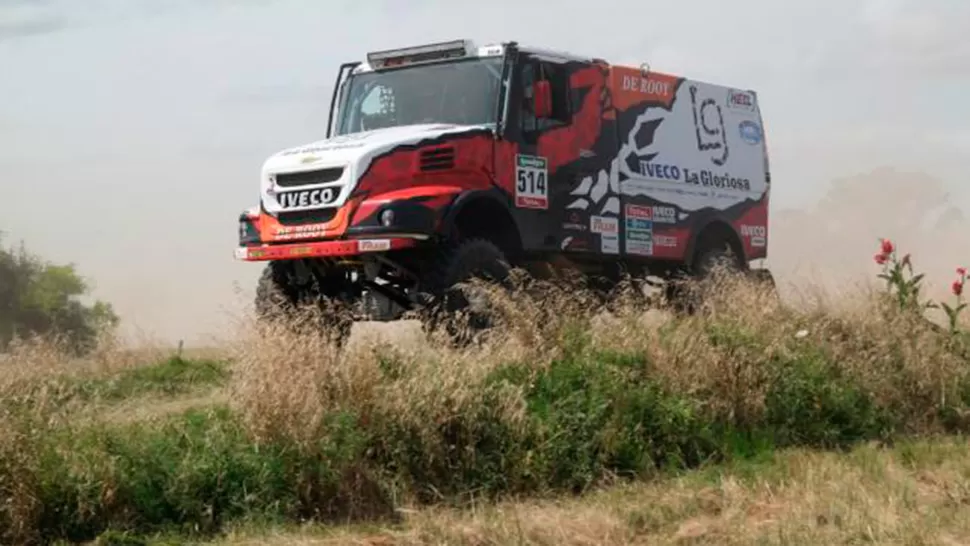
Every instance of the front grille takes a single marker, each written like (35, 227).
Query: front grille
(320, 176)
(438, 159)
(298, 217)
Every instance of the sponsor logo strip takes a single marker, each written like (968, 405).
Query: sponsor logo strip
(322, 249)
(639, 228)
(699, 177)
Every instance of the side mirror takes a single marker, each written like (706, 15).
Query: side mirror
(542, 97)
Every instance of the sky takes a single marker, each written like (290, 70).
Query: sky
(132, 131)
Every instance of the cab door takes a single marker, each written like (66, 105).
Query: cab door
(555, 121)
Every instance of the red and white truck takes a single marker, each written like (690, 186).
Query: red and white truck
(448, 160)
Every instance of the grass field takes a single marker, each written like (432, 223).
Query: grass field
(915, 493)
(752, 422)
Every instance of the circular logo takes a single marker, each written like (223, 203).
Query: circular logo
(750, 132)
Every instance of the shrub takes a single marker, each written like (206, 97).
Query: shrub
(41, 299)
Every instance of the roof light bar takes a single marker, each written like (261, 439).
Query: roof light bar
(418, 54)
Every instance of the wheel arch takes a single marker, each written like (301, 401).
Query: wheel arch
(709, 232)
(484, 214)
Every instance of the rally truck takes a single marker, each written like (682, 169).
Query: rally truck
(447, 161)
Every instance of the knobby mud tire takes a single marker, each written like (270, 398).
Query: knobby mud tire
(684, 294)
(464, 321)
(303, 309)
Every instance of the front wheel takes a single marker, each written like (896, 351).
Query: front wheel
(463, 311)
(292, 296)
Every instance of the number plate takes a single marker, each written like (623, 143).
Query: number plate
(531, 182)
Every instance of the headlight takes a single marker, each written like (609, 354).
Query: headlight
(387, 218)
(247, 232)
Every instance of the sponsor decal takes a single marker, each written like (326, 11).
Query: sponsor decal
(300, 251)
(709, 139)
(610, 244)
(638, 223)
(664, 215)
(307, 198)
(757, 234)
(640, 235)
(750, 132)
(301, 235)
(322, 148)
(709, 179)
(354, 140)
(283, 231)
(753, 231)
(373, 245)
(702, 177)
(604, 225)
(640, 248)
(665, 241)
(645, 85)
(740, 100)
(658, 171)
(639, 211)
(574, 223)
(531, 182)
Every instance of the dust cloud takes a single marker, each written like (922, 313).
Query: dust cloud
(830, 244)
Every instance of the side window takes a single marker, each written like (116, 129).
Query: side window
(527, 116)
(534, 70)
(559, 82)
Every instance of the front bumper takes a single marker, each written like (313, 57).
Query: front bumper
(322, 249)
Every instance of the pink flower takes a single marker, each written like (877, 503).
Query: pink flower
(962, 271)
(880, 258)
(957, 287)
(887, 246)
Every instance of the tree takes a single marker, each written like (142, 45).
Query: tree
(41, 298)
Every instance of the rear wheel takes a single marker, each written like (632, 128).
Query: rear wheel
(463, 311)
(685, 292)
(716, 258)
(306, 298)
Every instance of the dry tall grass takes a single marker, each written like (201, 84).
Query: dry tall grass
(287, 382)
(570, 390)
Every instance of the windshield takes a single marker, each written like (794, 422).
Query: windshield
(461, 92)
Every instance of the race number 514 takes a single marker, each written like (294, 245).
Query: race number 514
(531, 182)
